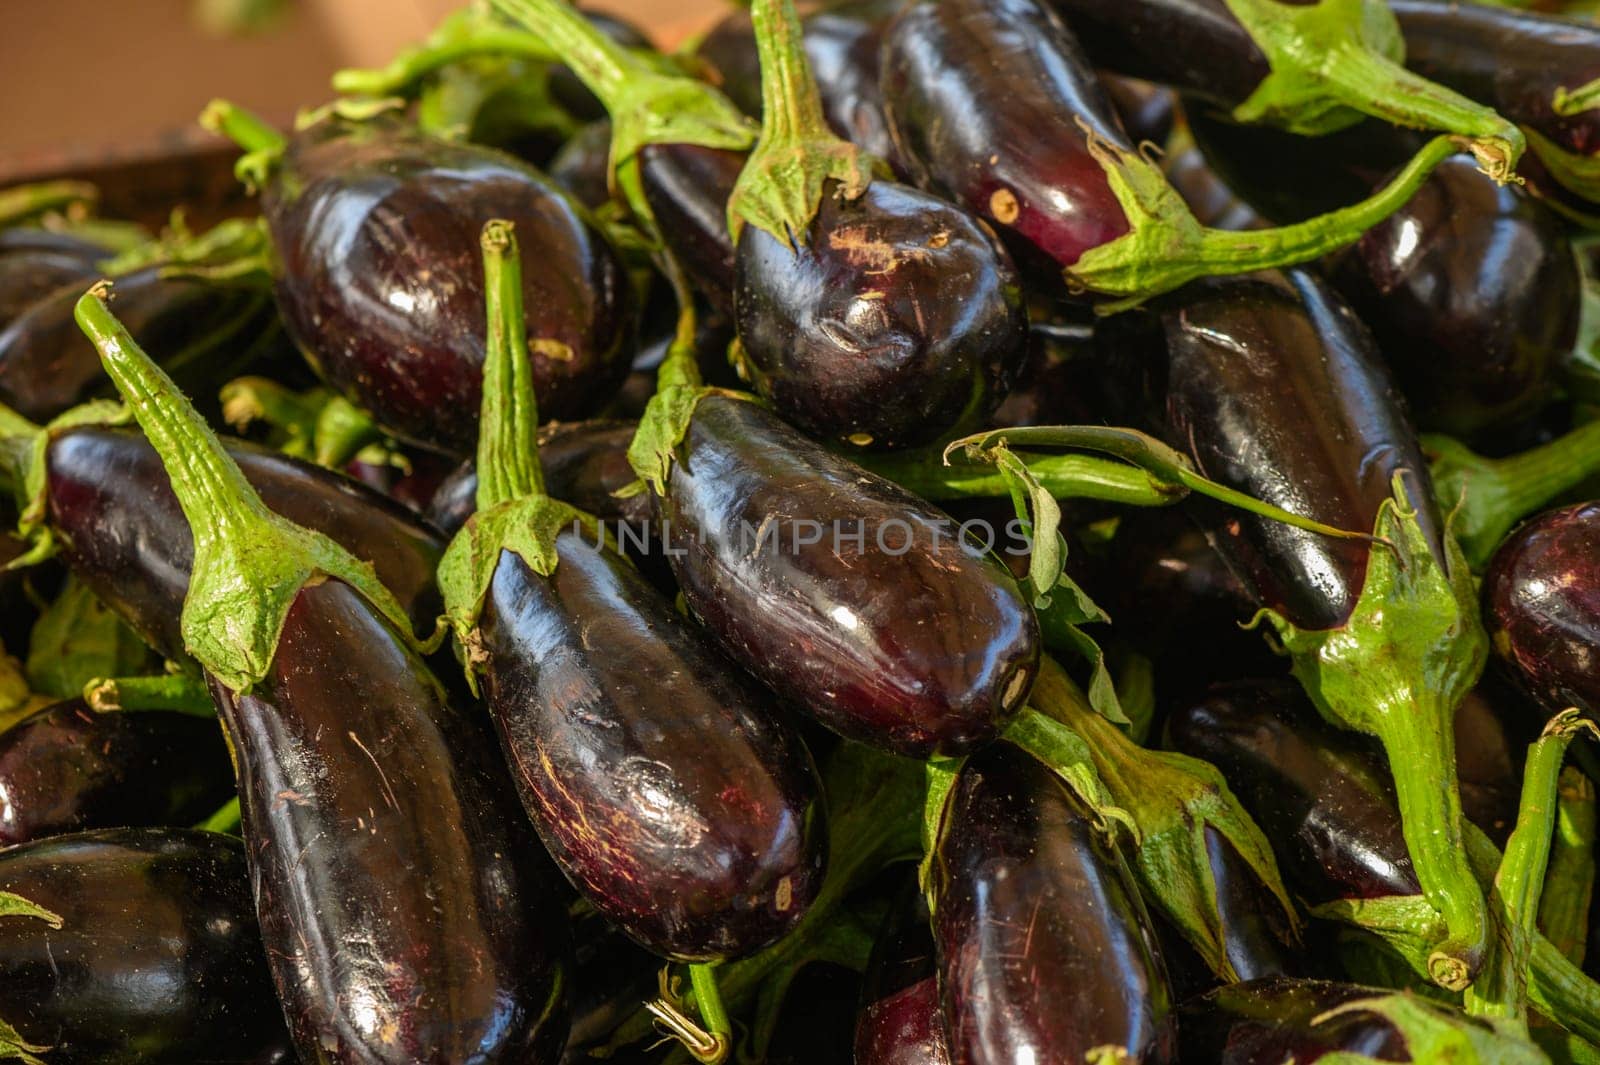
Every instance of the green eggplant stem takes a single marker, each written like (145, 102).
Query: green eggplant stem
(791, 105)
(1519, 882)
(1064, 476)
(22, 202)
(708, 1000)
(454, 42)
(250, 132)
(173, 692)
(1569, 885)
(1569, 102)
(1166, 247)
(508, 457)
(1487, 497)
(601, 63)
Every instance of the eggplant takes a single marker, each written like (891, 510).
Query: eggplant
(151, 954)
(205, 329)
(1148, 112)
(1319, 795)
(1473, 293)
(1045, 950)
(665, 784)
(404, 906)
(375, 225)
(67, 768)
(1275, 1020)
(867, 311)
(582, 167)
(687, 187)
(1213, 202)
(817, 1020)
(1543, 618)
(899, 1022)
(121, 529)
(36, 262)
(840, 590)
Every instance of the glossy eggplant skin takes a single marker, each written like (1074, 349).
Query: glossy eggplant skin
(110, 503)
(584, 463)
(899, 1022)
(898, 321)
(1272, 386)
(67, 769)
(1148, 111)
(1210, 199)
(203, 330)
(583, 165)
(157, 960)
(1472, 290)
(907, 638)
(376, 226)
(665, 785)
(1045, 949)
(1513, 61)
(1322, 797)
(34, 263)
(403, 901)
(687, 187)
(1045, 194)
(1541, 605)
(1275, 1020)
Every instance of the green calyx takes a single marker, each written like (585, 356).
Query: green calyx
(1335, 60)
(647, 104)
(315, 425)
(23, 447)
(1172, 801)
(77, 638)
(1579, 174)
(1569, 102)
(23, 202)
(1569, 885)
(249, 563)
(514, 513)
(236, 251)
(1486, 497)
(263, 145)
(178, 693)
(1436, 1032)
(14, 905)
(789, 169)
(1396, 670)
(1165, 245)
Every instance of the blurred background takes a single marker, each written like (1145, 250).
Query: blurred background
(85, 81)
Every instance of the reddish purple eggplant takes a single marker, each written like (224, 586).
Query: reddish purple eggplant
(375, 227)
(847, 594)
(206, 332)
(1272, 387)
(1045, 950)
(1528, 66)
(145, 951)
(121, 530)
(899, 1022)
(68, 768)
(1542, 613)
(666, 785)
(402, 899)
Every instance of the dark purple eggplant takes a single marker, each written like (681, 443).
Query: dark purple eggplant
(36, 262)
(583, 165)
(1543, 615)
(1213, 202)
(150, 955)
(68, 768)
(868, 311)
(899, 1021)
(1045, 950)
(375, 227)
(1472, 290)
(204, 330)
(665, 784)
(1319, 795)
(1272, 1021)
(1148, 112)
(403, 902)
(1052, 197)
(123, 533)
(687, 187)
(843, 592)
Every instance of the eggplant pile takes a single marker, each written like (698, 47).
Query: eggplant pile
(927, 532)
